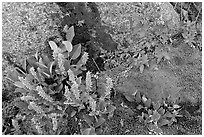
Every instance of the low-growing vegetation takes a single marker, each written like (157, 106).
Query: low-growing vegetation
(111, 68)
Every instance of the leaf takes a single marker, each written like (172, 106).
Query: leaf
(158, 131)
(168, 114)
(45, 60)
(99, 122)
(69, 33)
(144, 59)
(19, 84)
(20, 90)
(21, 104)
(59, 88)
(42, 66)
(50, 66)
(147, 103)
(53, 45)
(24, 64)
(13, 75)
(130, 98)
(144, 99)
(73, 113)
(161, 111)
(76, 51)
(156, 116)
(129, 111)
(141, 68)
(28, 98)
(110, 108)
(68, 45)
(138, 97)
(36, 55)
(141, 119)
(139, 107)
(32, 61)
(89, 120)
(156, 105)
(176, 106)
(163, 122)
(89, 131)
(67, 65)
(155, 128)
(150, 112)
(102, 105)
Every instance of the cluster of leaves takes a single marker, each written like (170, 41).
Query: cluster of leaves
(154, 114)
(48, 87)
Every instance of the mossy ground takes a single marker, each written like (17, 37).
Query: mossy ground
(26, 27)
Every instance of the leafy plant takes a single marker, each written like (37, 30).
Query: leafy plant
(41, 82)
(48, 87)
(156, 115)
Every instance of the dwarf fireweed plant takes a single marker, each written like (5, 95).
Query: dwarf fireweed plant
(47, 87)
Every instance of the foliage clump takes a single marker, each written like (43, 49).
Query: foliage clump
(49, 86)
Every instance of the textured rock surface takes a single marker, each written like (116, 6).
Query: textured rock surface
(26, 26)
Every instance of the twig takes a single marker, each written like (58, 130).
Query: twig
(96, 65)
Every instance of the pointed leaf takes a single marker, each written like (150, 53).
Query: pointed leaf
(24, 64)
(42, 66)
(138, 97)
(147, 103)
(161, 111)
(156, 105)
(168, 114)
(36, 55)
(156, 116)
(139, 107)
(45, 60)
(21, 104)
(32, 61)
(76, 51)
(130, 112)
(110, 108)
(20, 90)
(89, 120)
(59, 88)
(163, 122)
(69, 33)
(53, 45)
(50, 66)
(66, 54)
(141, 68)
(13, 75)
(144, 99)
(67, 65)
(130, 98)
(73, 113)
(176, 106)
(68, 45)
(19, 84)
(102, 105)
(150, 111)
(89, 131)
(99, 122)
